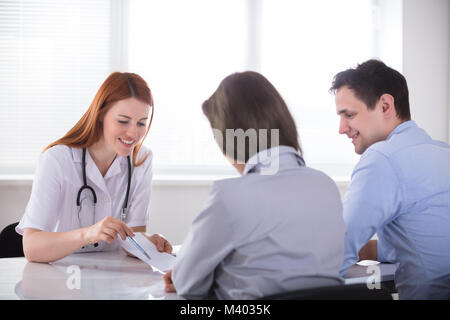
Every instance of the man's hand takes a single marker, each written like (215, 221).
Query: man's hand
(369, 251)
(168, 284)
(160, 242)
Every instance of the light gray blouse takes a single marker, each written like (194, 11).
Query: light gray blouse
(265, 232)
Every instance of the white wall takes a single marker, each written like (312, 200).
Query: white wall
(425, 65)
(173, 208)
(13, 200)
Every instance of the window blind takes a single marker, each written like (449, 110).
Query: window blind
(54, 55)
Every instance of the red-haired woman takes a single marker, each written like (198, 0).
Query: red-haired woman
(93, 185)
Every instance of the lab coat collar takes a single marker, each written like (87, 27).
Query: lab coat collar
(117, 166)
(77, 155)
(93, 173)
(280, 156)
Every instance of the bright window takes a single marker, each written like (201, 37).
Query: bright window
(185, 48)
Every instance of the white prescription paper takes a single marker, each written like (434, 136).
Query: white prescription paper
(159, 260)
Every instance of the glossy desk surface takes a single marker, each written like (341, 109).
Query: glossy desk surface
(99, 275)
(104, 275)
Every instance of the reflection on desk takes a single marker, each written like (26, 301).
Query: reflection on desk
(96, 275)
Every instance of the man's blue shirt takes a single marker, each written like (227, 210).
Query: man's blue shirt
(400, 189)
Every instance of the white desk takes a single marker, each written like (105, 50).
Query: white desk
(106, 275)
(102, 275)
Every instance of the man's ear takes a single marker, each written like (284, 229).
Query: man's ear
(387, 105)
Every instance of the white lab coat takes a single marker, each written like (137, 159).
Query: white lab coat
(58, 177)
(261, 234)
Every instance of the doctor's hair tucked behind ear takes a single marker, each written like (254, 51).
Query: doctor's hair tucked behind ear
(89, 129)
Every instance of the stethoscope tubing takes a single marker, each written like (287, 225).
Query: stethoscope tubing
(86, 186)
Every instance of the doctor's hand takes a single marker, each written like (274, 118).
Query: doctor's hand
(107, 230)
(168, 284)
(160, 242)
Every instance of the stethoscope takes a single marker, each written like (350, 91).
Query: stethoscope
(123, 214)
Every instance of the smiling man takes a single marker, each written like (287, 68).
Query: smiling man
(400, 188)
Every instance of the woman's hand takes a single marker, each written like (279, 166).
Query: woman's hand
(160, 242)
(107, 230)
(168, 284)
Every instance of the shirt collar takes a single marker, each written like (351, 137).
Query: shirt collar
(77, 155)
(119, 164)
(265, 158)
(402, 127)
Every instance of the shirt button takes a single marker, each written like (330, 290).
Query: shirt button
(106, 199)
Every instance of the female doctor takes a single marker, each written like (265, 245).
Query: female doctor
(93, 185)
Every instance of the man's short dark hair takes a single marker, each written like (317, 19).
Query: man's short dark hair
(370, 80)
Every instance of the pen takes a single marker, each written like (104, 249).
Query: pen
(139, 247)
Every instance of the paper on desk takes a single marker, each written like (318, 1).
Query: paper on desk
(159, 260)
